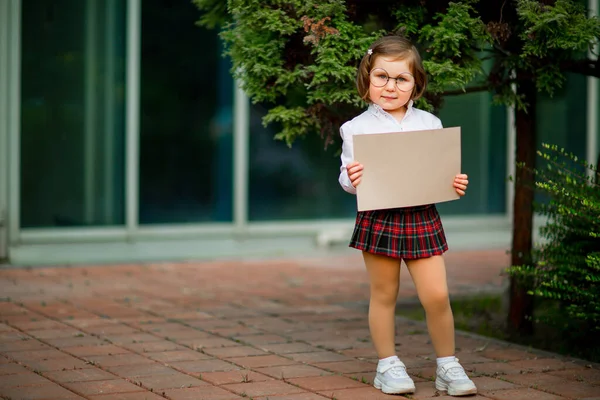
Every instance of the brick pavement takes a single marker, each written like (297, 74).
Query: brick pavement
(224, 330)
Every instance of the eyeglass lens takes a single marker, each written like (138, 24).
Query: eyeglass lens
(404, 82)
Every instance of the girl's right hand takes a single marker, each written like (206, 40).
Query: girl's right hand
(355, 171)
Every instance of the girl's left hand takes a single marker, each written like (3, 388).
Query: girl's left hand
(460, 183)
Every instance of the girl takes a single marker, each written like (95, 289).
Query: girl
(390, 77)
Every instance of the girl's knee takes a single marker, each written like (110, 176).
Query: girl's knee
(436, 302)
(384, 294)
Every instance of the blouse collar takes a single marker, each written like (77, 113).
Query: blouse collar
(376, 110)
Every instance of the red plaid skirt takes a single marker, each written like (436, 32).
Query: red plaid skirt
(409, 233)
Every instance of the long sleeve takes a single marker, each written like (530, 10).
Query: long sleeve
(347, 157)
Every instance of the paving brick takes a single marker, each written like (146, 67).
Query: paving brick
(75, 341)
(347, 367)
(201, 343)
(258, 340)
(66, 332)
(56, 364)
(179, 355)
(572, 390)
(292, 371)
(235, 331)
(485, 384)
(103, 387)
(45, 354)
(522, 394)
(131, 339)
(116, 360)
(202, 393)
(368, 377)
(79, 375)
(317, 383)
(299, 396)
(196, 367)
(542, 364)
(362, 353)
(150, 347)
(588, 375)
(145, 395)
(493, 369)
(535, 380)
(170, 381)
(184, 334)
(266, 388)
(131, 371)
(22, 345)
(111, 329)
(286, 348)
(261, 361)
(49, 391)
(318, 357)
(24, 379)
(237, 351)
(101, 350)
(365, 393)
(508, 354)
(11, 368)
(9, 336)
(239, 376)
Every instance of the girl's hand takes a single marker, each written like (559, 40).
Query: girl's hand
(355, 171)
(460, 184)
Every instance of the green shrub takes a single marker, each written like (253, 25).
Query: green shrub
(567, 262)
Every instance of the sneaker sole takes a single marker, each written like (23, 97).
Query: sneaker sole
(387, 390)
(441, 386)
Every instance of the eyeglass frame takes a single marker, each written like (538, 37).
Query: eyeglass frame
(395, 79)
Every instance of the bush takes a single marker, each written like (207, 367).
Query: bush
(567, 263)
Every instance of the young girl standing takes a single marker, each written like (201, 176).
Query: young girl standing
(390, 77)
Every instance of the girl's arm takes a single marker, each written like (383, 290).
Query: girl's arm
(347, 158)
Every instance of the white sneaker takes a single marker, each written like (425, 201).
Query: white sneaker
(392, 378)
(451, 377)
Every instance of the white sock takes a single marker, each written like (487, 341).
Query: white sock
(388, 359)
(443, 360)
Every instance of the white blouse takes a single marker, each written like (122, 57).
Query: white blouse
(376, 120)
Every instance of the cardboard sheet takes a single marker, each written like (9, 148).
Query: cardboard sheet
(404, 169)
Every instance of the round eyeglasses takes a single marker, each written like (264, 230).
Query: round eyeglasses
(379, 77)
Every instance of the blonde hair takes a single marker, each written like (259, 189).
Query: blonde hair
(397, 47)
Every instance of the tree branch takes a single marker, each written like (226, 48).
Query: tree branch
(585, 67)
(471, 89)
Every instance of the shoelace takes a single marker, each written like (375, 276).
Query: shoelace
(455, 371)
(396, 371)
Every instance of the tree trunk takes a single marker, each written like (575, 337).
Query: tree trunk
(520, 303)
(598, 170)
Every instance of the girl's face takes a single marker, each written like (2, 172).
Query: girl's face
(389, 96)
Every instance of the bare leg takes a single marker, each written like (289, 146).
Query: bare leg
(384, 277)
(429, 276)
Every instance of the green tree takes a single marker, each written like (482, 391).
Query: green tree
(301, 57)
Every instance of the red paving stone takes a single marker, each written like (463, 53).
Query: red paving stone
(47, 391)
(103, 387)
(289, 330)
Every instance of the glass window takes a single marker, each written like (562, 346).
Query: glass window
(483, 152)
(293, 183)
(186, 105)
(562, 119)
(301, 182)
(72, 113)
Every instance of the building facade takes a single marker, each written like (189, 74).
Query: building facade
(124, 137)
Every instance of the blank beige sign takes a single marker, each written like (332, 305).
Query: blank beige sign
(404, 169)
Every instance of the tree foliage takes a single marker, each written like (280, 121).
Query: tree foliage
(568, 262)
(301, 56)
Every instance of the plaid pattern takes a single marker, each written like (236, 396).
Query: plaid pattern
(409, 233)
